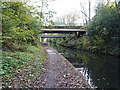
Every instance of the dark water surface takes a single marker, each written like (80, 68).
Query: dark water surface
(100, 70)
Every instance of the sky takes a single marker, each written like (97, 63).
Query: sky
(62, 7)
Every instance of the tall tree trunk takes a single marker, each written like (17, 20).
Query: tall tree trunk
(89, 10)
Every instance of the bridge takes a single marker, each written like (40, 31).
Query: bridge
(77, 32)
(51, 36)
(62, 31)
(62, 27)
(71, 30)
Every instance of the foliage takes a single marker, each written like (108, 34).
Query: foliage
(104, 29)
(18, 24)
(20, 37)
(32, 49)
(14, 61)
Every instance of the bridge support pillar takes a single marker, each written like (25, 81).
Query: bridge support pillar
(77, 34)
(40, 39)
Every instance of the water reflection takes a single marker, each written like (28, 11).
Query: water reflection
(99, 70)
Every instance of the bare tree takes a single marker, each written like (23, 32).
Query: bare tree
(71, 19)
(83, 12)
(60, 20)
(67, 19)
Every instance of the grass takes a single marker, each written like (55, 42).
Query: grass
(21, 67)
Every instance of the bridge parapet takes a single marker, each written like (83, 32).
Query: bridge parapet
(62, 27)
(51, 36)
(63, 31)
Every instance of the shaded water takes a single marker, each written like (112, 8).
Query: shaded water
(100, 70)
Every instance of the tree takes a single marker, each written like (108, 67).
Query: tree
(89, 10)
(68, 19)
(48, 18)
(83, 13)
(18, 24)
(103, 30)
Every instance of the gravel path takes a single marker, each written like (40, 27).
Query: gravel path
(60, 73)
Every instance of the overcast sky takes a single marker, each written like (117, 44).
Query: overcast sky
(62, 7)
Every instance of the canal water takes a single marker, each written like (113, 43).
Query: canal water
(101, 71)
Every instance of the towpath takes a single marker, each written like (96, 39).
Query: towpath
(60, 73)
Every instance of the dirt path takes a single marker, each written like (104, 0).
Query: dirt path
(53, 69)
(59, 73)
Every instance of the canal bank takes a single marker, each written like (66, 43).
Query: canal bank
(100, 70)
(60, 73)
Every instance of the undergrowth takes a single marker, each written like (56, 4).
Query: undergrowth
(19, 66)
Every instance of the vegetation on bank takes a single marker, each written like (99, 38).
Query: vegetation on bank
(22, 56)
(19, 69)
(103, 31)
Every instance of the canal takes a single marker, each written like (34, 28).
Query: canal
(101, 71)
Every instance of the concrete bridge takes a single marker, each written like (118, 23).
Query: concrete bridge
(77, 32)
(62, 27)
(51, 36)
(63, 31)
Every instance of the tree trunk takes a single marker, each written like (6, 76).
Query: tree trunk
(89, 10)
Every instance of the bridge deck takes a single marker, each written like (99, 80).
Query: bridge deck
(62, 30)
(51, 36)
(65, 27)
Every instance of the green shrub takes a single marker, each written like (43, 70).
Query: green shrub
(32, 49)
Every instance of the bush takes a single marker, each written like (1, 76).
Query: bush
(104, 29)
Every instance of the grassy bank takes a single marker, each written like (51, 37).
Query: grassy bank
(20, 68)
(85, 44)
